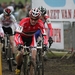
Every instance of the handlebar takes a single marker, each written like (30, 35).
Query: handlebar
(40, 47)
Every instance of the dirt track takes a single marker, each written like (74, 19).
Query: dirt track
(53, 66)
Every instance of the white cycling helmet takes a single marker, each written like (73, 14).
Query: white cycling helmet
(11, 8)
(35, 13)
(7, 11)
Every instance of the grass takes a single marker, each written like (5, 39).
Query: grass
(57, 54)
(16, 1)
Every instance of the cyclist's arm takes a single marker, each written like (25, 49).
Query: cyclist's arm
(14, 21)
(49, 26)
(50, 31)
(1, 30)
(48, 21)
(44, 33)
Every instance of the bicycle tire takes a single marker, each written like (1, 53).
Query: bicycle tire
(25, 64)
(9, 58)
(42, 66)
(8, 55)
(40, 63)
(7, 51)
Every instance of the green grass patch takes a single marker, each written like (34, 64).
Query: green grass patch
(57, 54)
(16, 1)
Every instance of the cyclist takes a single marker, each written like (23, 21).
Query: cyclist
(29, 25)
(47, 24)
(8, 24)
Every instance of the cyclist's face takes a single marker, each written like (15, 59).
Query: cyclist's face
(6, 17)
(33, 21)
(42, 17)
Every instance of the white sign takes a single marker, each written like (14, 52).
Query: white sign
(58, 37)
(58, 10)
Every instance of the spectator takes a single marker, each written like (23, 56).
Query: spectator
(20, 4)
(28, 9)
(12, 3)
(4, 5)
(22, 13)
(1, 9)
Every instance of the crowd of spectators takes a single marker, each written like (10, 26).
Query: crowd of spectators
(20, 10)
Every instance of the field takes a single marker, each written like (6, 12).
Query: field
(16, 1)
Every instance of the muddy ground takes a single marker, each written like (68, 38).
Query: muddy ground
(53, 66)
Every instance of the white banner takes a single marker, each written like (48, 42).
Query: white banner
(58, 37)
(58, 10)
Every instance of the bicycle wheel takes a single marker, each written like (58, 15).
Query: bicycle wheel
(9, 57)
(40, 63)
(25, 64)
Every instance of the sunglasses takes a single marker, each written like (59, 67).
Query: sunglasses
(7, 15)
(34, 19)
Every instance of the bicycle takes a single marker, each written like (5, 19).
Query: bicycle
(40, 58)
(7, 51)
(28, 65)
(40, 62)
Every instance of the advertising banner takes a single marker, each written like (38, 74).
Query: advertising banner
(58, 10)
(58, 35)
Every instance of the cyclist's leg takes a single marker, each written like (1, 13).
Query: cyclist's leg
(13, 48)
(33, 52)
(9, 31)
(19, 60)
(33, 55)
(6, 30)
(33, 49)
(11, 42)
(19, 56)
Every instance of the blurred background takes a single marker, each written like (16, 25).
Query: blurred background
(20, 8)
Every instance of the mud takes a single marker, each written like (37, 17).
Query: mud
(53, 66)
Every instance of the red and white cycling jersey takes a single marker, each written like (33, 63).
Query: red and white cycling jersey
(7, 22)
(29, 30)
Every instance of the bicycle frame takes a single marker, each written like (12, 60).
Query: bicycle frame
(40, 62)
(27, 62)
(40, 59)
